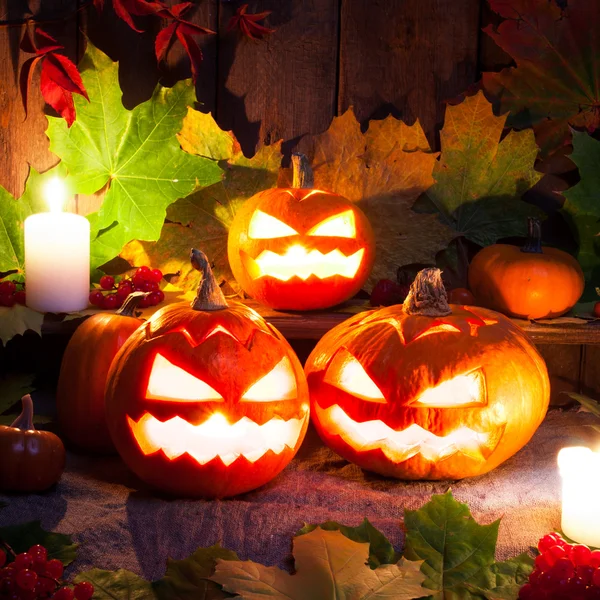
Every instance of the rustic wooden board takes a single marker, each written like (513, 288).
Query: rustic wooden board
(407, 57)
(23, 142)
(564, 367)
(284, 86)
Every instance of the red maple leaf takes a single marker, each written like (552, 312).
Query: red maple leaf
(60, 78)
(248, 23)
(184, 31)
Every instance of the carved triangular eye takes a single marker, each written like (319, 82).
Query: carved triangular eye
(265, 227)
(347, 374)
(341, 225)
(462, 391)
(171, 383)
(277, 384)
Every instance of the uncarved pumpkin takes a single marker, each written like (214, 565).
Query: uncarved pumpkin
(32, 460)
(83, 373)
(427, 390)
(532, 282)
(300, 248)
(208, 400)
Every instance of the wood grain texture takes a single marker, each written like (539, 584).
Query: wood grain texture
(24, 142)
(564, 366)
(590, 378)
(407, 57)
(284, 86)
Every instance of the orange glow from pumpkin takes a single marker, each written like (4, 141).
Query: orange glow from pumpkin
(168, 382)
(440, 328)
(460, 391)
(278, 384)
(216, 437)
(265, 227)
(298, 262)
(346, 373)
(399, 446)
(341, 225)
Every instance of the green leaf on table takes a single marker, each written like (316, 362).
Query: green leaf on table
(328, 565)
(556, 81)
(480, 178)
(457, 550)
(203, 219)
(384, 171)
(588, 404)
(187, 579)
(504, 579)
(18, 319)
(13, 387)
(117, 585)
(381, 551)
(135, 154)
(582, 208)
(21, 537)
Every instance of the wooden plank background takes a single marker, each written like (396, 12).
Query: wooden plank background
(404, 57)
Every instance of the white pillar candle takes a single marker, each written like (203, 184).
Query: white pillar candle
(580, 472)
(57, 256)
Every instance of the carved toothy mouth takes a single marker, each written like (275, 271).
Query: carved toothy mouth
(215, 437)
(298, 262)
(399, 446)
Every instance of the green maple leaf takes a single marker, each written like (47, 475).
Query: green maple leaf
(457, 551)
(479, 178)
(328, 565)
(381, 551)
(135, 154)
(202, 220)
(117, 585)
(556, 81)
(582, 208)
(187, 579)
(504, 579)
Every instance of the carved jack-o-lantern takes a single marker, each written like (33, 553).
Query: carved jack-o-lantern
(300, 248)
(207, 401)
(427, 390)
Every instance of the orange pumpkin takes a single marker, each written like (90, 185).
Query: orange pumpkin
(529, 282)
(427, 390)
(300, 248)
(83, 373)
(208, 400)
(32, 460)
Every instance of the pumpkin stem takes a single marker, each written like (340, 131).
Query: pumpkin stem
(24, 421)
(427, 295)
(131, 303)
(533, 245)
(209, 295)
(303, 174)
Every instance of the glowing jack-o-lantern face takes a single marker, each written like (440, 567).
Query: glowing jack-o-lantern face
(207, 403)
(300, 248)
(419, 397)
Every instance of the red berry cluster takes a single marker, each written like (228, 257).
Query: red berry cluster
(563, 572)
(11, 293)
(31, 576)
(143, 280)
(387, 292)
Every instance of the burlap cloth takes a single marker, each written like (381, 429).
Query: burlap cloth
(121, 523)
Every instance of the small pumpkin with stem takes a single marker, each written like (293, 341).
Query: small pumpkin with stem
(532, 282)
(206, 400)
(83, 373)
(32, 460)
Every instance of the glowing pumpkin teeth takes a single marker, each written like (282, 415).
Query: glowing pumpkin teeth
(399, 446)
(215, 437)
(298, 262)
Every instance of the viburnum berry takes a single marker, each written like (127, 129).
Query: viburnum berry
(26, 579)
(580, 554)
(83, 590)
(107, 282)
(20, 297)
(38, 551)
(596, 577)
(143, 272)
(63, 593)
(2, 558)
(8, 287)
(23, 561)
(595, 559)
(96, 298)
(156, 275)
(110, 302)
(55, 568)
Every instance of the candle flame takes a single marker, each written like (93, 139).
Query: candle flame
(56, 194)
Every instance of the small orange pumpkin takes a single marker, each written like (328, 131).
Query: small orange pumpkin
(427, 390)
(32, 460)
(529, 282)
(300, 248)
(83, 373)
(208, 400)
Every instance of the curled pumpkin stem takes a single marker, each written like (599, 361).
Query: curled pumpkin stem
(209, 295)
(427, 295)
(24, 421)
(131, 303)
